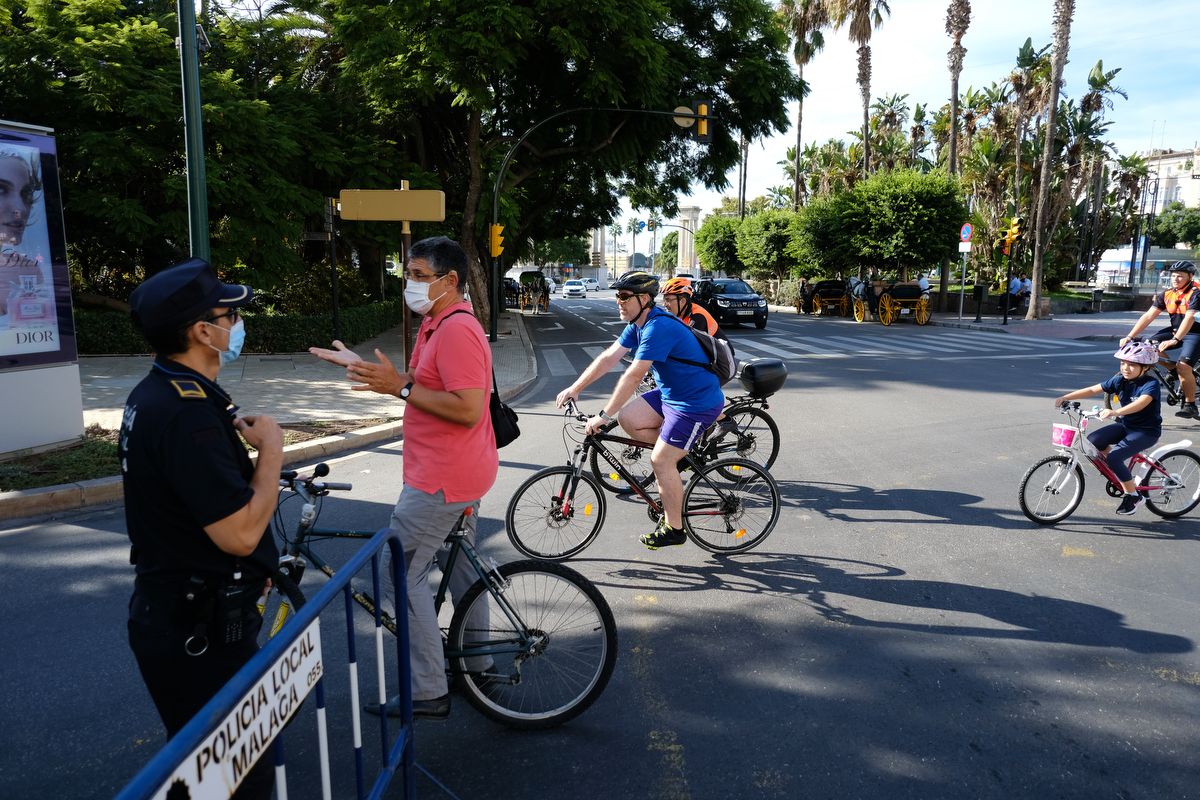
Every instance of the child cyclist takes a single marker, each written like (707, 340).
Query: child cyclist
(1139, 421)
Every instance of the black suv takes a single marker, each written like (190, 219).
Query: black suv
(730, 300)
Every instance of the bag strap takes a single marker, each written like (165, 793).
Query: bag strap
(696, 333)
(495, 393)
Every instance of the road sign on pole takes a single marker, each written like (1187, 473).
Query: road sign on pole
(964, 247)
(966, 231)
(413, 205)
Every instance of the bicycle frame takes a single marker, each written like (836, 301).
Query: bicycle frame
(1141, 465)
(300, 546)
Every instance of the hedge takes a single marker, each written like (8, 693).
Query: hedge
(112, 333)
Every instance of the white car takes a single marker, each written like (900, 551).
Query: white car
(553, 286)
(591, 284)
(574, 288)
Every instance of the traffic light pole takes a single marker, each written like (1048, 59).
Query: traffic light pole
(496, 262)
(193, 130)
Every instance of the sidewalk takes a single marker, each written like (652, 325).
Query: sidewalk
(292, 387)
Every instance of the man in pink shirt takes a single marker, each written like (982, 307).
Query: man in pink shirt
(450, 458)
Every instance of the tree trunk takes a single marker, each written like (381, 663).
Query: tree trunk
(953, 157)
(1064, 10)
(479, 279)
(799, 121)
(864, 83)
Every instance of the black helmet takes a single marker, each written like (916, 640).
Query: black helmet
(638, 282)
(1183, 266)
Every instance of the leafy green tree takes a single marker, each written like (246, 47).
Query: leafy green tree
(716, 244)
(1176, 224)
(668, 254)
(568, 250)
(763, 243)
(905, 219)
(820, 240)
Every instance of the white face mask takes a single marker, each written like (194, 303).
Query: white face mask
(416, 295)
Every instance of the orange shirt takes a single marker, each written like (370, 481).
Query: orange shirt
(451, 353)
(702, 320)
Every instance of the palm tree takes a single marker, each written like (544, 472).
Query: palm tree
(865, 16)
(917, 140)
(958, 19)
(806, 20)
(615, 231)
(1064, 11)
(633, 225)
(1021, 79)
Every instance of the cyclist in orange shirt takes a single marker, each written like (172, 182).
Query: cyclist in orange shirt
(677, 299)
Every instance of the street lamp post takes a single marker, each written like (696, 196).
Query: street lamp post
(193, 130)
(678, 114)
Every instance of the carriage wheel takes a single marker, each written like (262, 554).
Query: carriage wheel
(922, 312)
(844, 306)
(860, 309)
(887, 309)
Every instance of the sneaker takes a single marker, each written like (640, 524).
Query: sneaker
(1186, 409)
(1130, 503)
(663, 536)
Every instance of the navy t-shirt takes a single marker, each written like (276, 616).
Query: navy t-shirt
(684, 387)
(1149, 419)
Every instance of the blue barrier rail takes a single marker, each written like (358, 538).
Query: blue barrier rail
(215, 750)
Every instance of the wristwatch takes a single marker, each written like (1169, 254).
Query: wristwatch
(604, 416)
(406, 391)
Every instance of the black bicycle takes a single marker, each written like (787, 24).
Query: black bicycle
(551, 640)
(730, 505)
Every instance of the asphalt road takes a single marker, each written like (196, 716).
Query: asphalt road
(904, 632)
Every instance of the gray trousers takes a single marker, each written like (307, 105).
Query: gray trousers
(424, 521)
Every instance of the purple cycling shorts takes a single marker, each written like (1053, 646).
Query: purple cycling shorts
(680, 428)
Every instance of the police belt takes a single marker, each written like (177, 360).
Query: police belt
(204, 608)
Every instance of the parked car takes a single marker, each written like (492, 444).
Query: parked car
(574, 288)
(591, 284)
(730, 301)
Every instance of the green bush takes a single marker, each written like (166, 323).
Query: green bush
(788, 293)
(112, 333)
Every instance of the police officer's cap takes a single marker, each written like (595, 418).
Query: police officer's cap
(181, 294)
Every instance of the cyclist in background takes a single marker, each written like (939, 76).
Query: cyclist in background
(677, 298)
(1139, 422)
(1181, 302)
(673, 416)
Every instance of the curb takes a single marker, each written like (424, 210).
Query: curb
(69, 497)
(50, 500)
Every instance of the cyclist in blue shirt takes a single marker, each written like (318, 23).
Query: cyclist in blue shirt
(1138, 417)
(673, 416)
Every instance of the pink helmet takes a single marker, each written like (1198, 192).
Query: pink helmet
(1138, 353)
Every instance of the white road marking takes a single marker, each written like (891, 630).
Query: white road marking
(557, 362)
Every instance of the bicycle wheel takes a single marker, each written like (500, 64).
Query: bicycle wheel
(756, 439)
(1051, 490)
(553, 668)
(279, 605)
(636, 460)
(1178, 494)
(730, 506)
(553, 515)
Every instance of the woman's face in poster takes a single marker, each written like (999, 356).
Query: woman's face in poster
(17, 188)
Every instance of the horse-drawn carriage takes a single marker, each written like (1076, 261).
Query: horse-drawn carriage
(830, 297)
(904, 299)
(535, 292)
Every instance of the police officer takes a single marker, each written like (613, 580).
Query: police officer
(196, 508)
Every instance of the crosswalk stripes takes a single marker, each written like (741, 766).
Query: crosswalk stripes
(572, 358)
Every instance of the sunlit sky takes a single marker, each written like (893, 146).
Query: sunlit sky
(1150, 41)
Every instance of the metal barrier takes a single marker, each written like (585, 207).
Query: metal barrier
(211, 755)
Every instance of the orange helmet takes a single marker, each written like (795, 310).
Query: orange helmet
(678, 286)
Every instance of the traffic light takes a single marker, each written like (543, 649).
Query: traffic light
(1002, 244)
(701, 129)
(495, 240)
(1014, 230)
(651, 225)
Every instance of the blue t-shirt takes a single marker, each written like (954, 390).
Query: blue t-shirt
(684, 387)
(1149, 419)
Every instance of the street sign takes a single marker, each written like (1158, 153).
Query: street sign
(964, 247)
(965, 233)
(411, 205)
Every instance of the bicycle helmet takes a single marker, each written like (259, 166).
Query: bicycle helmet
(1183, 266)
(638, 282)
(678, 286)
(1138, 353)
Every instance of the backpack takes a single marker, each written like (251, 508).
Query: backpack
(718, 352)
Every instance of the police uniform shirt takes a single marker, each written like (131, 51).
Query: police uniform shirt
(184, 467)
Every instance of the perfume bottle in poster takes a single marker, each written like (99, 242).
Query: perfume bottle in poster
(28, 317)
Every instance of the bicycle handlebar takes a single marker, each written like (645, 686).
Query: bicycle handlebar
(289, 478)
(573, 411)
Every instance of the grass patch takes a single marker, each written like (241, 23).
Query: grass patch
(96, 455)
